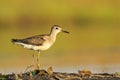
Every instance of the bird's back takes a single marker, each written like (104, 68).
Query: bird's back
(37, 42)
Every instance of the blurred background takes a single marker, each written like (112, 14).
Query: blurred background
(94, 42)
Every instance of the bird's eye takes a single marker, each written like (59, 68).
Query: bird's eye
(56, 28)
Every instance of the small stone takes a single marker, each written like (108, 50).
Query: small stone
(50, 71)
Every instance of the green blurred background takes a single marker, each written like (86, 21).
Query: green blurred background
(94, 42)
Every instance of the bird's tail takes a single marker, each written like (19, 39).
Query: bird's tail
(15, 40)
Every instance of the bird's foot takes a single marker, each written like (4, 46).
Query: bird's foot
(38, 66)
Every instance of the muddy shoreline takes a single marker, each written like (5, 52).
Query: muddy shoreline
(51, 75)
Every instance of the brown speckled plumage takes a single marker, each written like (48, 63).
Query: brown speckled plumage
(36, 40)
(40, 42)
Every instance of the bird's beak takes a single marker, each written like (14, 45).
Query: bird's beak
(65, 31)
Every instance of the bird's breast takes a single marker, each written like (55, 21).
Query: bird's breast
(45, 46)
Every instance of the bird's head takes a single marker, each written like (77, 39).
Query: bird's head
(58, 29)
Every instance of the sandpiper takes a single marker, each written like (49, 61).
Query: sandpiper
(40, 42)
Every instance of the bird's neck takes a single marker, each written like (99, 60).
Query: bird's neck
(53, 35)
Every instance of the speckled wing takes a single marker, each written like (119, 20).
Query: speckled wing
(34, 40)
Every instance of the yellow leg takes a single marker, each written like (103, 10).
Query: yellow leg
(38, 62)
(30, 66)
(34, 55)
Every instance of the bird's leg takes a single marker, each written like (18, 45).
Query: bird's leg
(30, 66)
(34, 55)
(38, 62)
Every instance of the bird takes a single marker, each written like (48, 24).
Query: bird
(40, 42)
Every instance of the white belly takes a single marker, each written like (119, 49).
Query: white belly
(42, 47)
